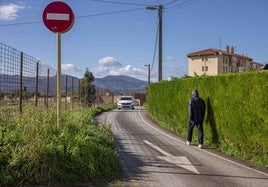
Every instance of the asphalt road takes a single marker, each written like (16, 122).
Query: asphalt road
(152, 156)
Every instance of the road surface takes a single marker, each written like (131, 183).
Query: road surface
(152, 156)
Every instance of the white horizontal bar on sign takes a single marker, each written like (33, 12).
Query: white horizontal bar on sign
(56, 16)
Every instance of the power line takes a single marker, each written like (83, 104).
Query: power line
(22, 23)
(107, 13)
(155, 46)
(182, 4)
(170, 2)
(159, 8)
(78, 17)
(118, 2)
(133, 4)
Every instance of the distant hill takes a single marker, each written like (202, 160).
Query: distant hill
(116, 84)
(121, 84)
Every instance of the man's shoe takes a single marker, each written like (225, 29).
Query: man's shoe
(200, 146)
(188, 143)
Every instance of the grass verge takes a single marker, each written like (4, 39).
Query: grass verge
(33, 152)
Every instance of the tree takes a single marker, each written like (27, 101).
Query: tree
(87, 90)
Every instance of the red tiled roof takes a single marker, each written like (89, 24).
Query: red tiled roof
(260, 64)
(203, 52)
(212, 51)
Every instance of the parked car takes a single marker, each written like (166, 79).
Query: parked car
(126, 102)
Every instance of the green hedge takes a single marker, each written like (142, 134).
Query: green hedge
(236, 118)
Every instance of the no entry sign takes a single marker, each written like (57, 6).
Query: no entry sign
(58, 17)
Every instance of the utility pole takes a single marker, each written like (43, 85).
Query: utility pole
(159, 8)
(149, 76)
(160, 43)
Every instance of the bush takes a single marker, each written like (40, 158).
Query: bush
(33, 152)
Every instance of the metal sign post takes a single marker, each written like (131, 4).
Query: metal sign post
(58, 41)
(58, 17)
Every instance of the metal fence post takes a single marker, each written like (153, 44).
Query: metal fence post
(79, 92)
(36, 83)
(66, 90)
(47, 88)
(21, 76)
(72, 96)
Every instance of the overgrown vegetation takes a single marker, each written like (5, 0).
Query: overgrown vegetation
(32, 152)
(236, 118)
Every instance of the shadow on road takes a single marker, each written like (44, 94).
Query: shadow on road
(130, 164)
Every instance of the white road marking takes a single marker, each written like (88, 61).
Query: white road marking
(252, 169)
(181, 161)
(56, 16)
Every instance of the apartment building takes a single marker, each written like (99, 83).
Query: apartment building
(215, 61)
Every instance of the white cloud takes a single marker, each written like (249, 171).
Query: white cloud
(126, 70)
(111, 66)
(70, 67)
(100, 71)
(168, 58)
(109, 61)
(10, 11)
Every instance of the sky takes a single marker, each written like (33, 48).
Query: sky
(118, 37)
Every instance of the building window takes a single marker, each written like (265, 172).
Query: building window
(225, 69)
(204, 68)
(204, 58)
(225, 60)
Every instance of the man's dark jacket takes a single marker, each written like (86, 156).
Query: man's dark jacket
(196, 109)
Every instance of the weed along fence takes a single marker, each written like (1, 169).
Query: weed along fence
(25, 81)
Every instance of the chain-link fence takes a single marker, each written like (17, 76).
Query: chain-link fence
(25, 81)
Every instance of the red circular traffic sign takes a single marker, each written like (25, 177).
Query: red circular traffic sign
(58, 17)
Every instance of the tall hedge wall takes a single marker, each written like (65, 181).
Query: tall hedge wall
(236, 116)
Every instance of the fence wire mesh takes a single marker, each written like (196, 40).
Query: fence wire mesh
(25, 81)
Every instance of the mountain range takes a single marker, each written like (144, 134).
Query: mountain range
(121, 84)
(116, 84)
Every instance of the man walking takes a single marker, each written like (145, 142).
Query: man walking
(196, 114)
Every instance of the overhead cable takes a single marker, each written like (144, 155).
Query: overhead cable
(118, 2)
(77, 17)
(170, 2)
(107, 13)
(22, 23)
(182, 4)
(155, 46)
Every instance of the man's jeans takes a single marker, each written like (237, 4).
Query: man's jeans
(199, 125)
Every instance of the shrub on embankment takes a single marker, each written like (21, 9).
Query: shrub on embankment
(236, 119)
(33, 152)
